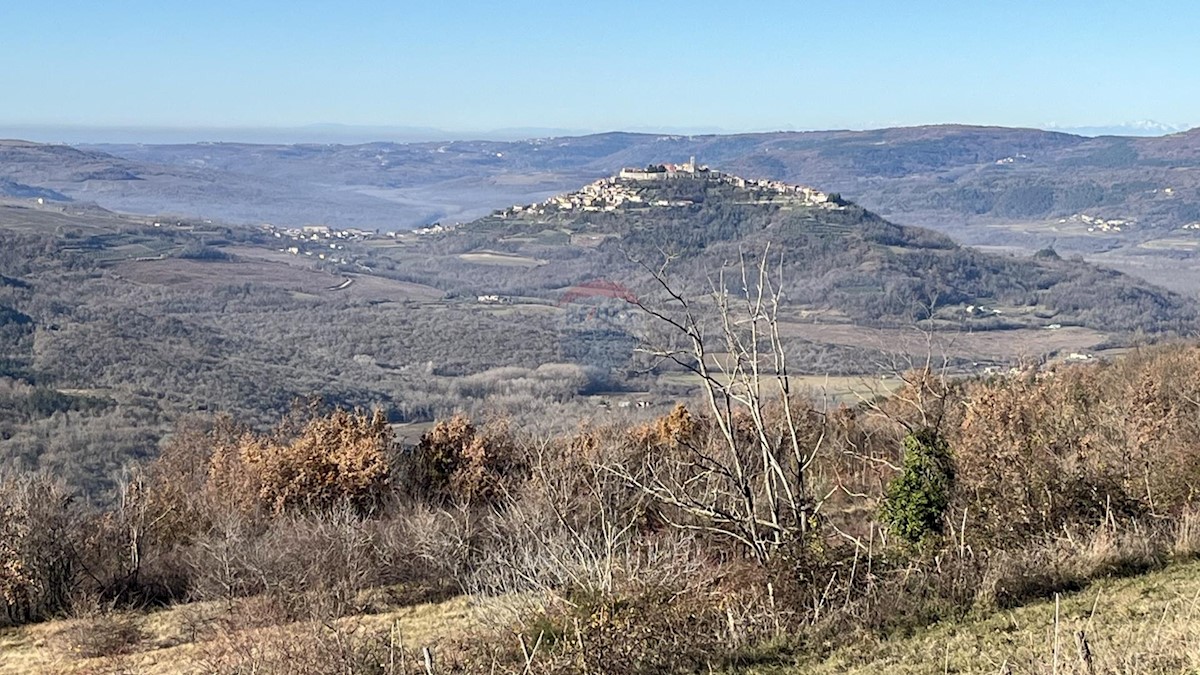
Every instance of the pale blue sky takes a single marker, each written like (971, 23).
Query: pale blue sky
(597, 65)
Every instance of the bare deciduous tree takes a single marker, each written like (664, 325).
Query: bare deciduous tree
(746, 480)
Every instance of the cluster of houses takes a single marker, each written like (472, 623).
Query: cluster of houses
(606, 194)
(625, 190)
(436, 228)
(604, 403)
(1012, 160)
(1099, 224)
(318, 233)
(807, 195)
(495, 300)
(318, 241)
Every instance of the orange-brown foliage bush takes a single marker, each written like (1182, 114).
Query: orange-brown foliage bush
(459, 462)
(1080, 443)
(678, 427)
(343, 457)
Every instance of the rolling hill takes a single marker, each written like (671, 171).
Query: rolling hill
(116, 330)
(1128, 201)
(839, 256)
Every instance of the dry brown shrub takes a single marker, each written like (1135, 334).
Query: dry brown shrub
(103, 634)
(307, 648)
(1029, 458)
(1186, 543)
(40, 528)
(679, 426)
(1157, 410)
(15, 575)
(343, 457)
(458, 462)
(177, 494)
(642, 623)
(1080, 444)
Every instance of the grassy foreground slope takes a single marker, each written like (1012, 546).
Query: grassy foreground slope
(190, 639)
(1143, 624)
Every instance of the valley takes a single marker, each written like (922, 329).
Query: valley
(532, 309)
(542, 354)
(1019, 189)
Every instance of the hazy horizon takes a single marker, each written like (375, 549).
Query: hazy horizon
(472, 68)
(333, 133)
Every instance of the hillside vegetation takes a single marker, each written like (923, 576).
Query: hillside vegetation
(757, 537)
(117, 327)
(836, 255)
(114, 328)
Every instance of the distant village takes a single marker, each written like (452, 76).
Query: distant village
(318, 241)
(624, 191)
(1100, 224)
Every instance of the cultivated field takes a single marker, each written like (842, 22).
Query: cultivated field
(996, 345)
(205, 275)
(502, 259)
(827, 389)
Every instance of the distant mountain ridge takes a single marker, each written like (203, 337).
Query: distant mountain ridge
(1137, 128)
(972, 182)
(942, 176)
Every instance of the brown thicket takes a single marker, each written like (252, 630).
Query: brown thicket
(461, 463)
(38, 562)
(627, 546)
(339, 458)
(1080, 444)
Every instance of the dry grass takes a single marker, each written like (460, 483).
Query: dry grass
(1146, 624)
(1187, 535)
(274, 269)
(188, 638)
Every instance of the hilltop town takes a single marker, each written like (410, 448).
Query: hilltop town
(628, 189)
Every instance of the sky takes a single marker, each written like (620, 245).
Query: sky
(597, 66)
